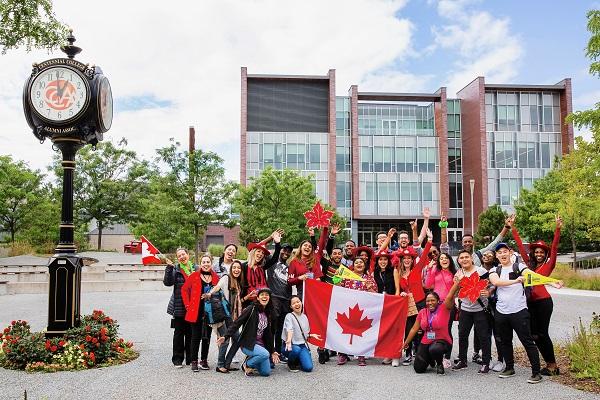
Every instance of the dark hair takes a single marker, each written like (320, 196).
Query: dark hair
(350, 240)
(269, 309)
(222, 258)
(337, 248)
(295, 296)
(238, 280)
(451, 266)
(467, 235)
(463, 251)
(434, 294)
(381, 233)
(403, 232)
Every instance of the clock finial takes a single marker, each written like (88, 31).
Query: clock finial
(70, 49)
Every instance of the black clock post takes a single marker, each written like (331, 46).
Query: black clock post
(69, 103)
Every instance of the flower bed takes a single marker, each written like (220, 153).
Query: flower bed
(94, 343)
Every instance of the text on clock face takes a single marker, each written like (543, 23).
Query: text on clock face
(58, 93)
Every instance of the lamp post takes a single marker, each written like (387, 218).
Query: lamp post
(472, 186)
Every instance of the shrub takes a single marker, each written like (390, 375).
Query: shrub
(18, 248)
(584, 350)
(94, 342)
(215, 250)
(575, 279)
(242, 253)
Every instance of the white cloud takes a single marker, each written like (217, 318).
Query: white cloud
(190, 54)
(485, 44)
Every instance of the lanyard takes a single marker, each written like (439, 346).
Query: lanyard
(430, 318)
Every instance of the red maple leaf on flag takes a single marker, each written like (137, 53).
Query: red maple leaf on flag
(318, 217)
(471, 287)
(353, 324)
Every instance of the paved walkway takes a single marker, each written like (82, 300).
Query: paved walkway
(143, 320)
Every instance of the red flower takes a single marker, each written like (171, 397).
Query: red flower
(130, 344)
(94, 340)
(81, 346)
(47, 344)
(7, 351)
(6, 330)
(13, 322)
(88, 338)
(92, 356)
(88, 328)
(97, 344)
(62, 343)
(53, 349)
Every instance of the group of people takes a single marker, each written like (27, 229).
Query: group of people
(256, 305)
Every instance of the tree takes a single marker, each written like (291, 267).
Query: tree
(20, 192)
(30, 23)
(489, 224)
(108, 184)
(191, 194)
(276, 199)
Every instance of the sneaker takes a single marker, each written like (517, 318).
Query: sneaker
(327, 355)
(203, 365)
(322, 356)
(283, 359)
(362, 361)
(342, 359)
(440, 369)
(550, 372)
(386, 361)
(507, 373)
(460, 365)
(499, 366)
(395, 362)
(195, 366)
(446, 363)
(537, 378)
(178, 366)
(293, 366)
(407, 360)
(484, 369)
(476, 358)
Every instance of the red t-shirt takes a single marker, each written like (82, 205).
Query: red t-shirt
(439, 324)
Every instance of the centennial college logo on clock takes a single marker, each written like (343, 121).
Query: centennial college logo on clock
(59, 94)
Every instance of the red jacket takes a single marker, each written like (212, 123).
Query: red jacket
(413, 283)
(539, 292)
(191, 291)
(298, 268)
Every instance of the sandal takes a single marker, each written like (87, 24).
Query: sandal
(222, 370)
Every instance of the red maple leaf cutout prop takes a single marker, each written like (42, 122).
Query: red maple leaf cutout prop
(318, 217)
(471, 287)
(353, 324)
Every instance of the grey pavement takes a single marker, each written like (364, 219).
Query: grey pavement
(143, 319)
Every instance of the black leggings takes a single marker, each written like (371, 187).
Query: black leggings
(200, 332)
(540, 312)
(429, 355)
(182, 341)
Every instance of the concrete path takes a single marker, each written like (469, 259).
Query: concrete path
(143, 320)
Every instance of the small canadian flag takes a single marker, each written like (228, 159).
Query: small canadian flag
(355, 322)
(149, 252)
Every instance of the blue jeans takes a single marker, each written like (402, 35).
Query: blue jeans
(259, 359)
(299, 354)
(225, 357)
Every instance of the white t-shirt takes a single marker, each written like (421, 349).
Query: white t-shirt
(291, 324)
(511, 299)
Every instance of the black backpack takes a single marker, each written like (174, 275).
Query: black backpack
(517, 272)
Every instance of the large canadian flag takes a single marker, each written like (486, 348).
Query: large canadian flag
(355, 322)
(149, 252)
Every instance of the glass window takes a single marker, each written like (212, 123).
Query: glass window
(454, 160)
(366, 158)
(427, 191)
(456, 195)
(545, 150)
(378, 159)
(315, 156)
(371, 191)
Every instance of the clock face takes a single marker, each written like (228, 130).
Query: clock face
(59, 94)
(105, 105)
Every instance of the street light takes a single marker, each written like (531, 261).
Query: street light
(472, 185)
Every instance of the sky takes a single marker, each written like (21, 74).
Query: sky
(171, 68)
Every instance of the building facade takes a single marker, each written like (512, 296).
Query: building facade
(380, 158)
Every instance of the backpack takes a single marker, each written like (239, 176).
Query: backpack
(517, 272)
(217, 308)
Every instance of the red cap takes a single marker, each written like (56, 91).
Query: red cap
(260, 246)
(541, 244)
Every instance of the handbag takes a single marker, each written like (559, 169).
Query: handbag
(217, 308)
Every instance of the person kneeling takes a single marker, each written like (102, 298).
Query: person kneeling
(433, 321)
(296, 334)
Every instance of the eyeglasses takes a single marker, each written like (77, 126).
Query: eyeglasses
(434, 252)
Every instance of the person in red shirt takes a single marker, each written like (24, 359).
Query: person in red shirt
(303, 266)
(541, 259)
(408, 277)
(433, 321)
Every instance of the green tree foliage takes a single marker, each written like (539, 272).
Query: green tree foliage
(30, 23)
(490, 223)
(20, 193)
(191, 193)
(276, 199)
(108, 185)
